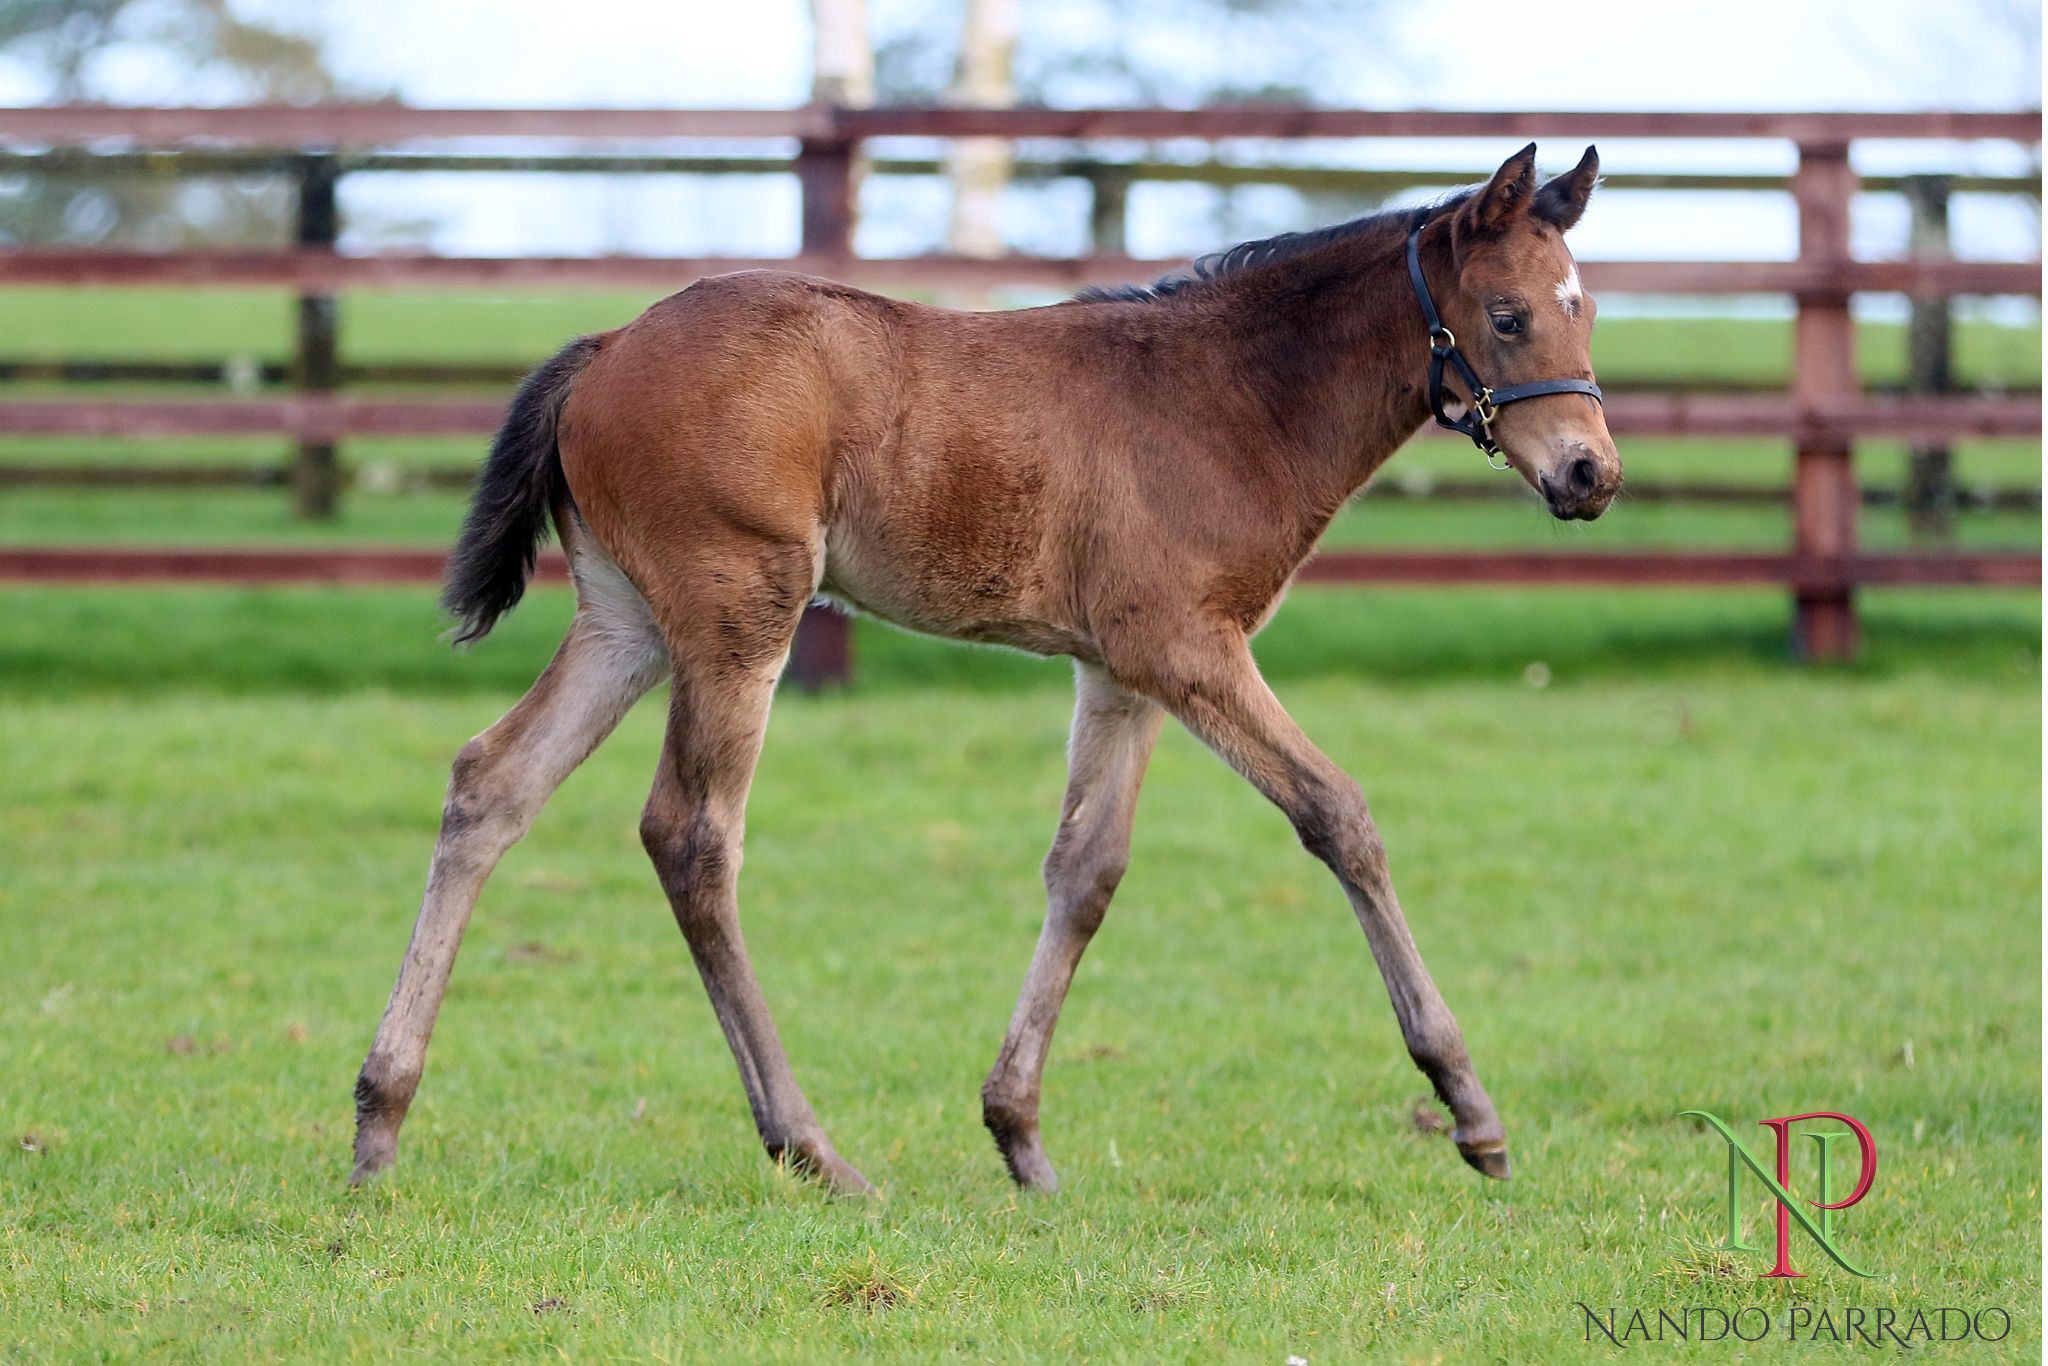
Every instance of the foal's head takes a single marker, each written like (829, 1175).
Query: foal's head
(1520, 314)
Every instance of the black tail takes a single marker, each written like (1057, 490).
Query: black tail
(508, 513)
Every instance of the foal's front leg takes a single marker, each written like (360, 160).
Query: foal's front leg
(1216, 691)
(1113, 735)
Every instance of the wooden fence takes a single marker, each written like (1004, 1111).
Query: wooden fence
(1824, 412)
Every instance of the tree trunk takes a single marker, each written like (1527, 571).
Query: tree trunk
(842, 60)
(979, 168)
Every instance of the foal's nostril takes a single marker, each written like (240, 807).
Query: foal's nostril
(1582, 478)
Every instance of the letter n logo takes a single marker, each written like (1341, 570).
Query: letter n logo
(1789, 1206)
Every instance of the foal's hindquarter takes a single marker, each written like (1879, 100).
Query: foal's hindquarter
(1092, 481)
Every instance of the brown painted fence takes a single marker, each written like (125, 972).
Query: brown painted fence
(1824, 413)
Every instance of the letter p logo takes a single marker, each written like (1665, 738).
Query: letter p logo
(1789, 1210)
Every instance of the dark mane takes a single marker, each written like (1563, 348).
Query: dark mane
(1391, 223)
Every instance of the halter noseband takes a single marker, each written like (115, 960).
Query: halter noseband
(1486, 404)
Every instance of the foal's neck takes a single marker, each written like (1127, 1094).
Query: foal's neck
(1334, 342)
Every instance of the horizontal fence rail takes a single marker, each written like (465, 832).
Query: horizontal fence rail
(251, 373)
(298, 127)
(329, 272)
(386, 477)
(1607, 569)
(331, 417)
(1825, 413)
(87, 163)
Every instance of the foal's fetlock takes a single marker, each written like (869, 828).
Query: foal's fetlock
(1480, 1139)
(381, 1102)
(1477, 1130)
(812, 1155)
(1015, 1128)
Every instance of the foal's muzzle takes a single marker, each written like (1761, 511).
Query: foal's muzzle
(1580, 488)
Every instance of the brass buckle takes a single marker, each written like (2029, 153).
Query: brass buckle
(1486, 410)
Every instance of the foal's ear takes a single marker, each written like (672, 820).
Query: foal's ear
(1561, 201)
(1497, 203)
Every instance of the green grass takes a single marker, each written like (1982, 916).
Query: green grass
(139, 642)
(1679, 875)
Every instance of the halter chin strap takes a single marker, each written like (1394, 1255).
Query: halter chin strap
(1486, 403)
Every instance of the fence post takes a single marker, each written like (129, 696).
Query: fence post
(1824, 491)
(316, 476)
(825, 173)
(1930, 492)
(1108, 210)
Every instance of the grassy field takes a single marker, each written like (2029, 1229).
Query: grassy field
(1653, 868)
(1677, 875)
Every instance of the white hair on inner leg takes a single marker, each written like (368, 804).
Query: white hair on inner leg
(1569, 293)
(616, 615)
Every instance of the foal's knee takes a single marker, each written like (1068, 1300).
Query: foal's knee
(691, 856)
(1080, 880)
(1333, 822)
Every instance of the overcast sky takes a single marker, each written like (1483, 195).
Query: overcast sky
(1482, 54)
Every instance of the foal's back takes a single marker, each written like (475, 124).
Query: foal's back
(985, 476)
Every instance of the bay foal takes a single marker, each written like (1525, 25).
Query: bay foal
(1130, 478)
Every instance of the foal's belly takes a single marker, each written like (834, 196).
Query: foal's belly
(961, 591)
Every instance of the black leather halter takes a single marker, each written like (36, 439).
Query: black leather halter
(1486, 403)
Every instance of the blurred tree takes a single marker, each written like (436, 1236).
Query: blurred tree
(93, 50)
(1142, 52)
(842, 60)
(979, 168)
(67, 39)
(1175, 53)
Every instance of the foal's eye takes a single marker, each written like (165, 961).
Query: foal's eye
(1507, 324)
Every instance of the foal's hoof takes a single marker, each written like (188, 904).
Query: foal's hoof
(376, 1150)
(1023, 1152)
(1486, 1158)
(819, 1161)
(371, 1162)
(1031, 1169)
(844, 1180)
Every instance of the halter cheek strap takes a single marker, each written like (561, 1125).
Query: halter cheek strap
(1477, 421)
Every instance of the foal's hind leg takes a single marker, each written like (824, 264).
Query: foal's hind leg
(1112, 740)
(1213, 686)
(608, 661)
(728, 647)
